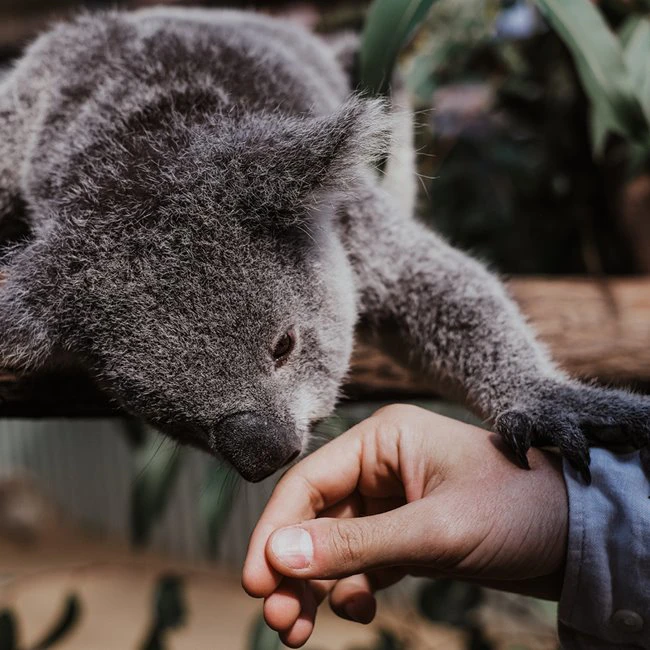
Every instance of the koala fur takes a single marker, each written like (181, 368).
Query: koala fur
(196, 183)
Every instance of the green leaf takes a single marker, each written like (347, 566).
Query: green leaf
(625, 31)
(8, 640)
(389, 25)
(422, 78)
(602, 68)
(637, 58)
(69, 618)
(263, 637)
(156, 465)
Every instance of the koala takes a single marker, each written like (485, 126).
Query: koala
(204, 227)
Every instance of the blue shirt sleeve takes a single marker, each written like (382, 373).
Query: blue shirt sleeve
(605, 601)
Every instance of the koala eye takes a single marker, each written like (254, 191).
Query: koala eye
(284, 347)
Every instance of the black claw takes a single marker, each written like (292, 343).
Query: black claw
(520, 453)
(582, 467)
(519, 448)
(515, 430)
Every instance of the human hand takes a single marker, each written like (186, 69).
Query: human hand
(404, 492)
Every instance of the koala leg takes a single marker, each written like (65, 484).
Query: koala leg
(458, 323)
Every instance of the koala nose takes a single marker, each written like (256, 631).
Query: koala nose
(256, 444)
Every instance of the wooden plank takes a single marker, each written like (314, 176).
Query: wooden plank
(592, 329)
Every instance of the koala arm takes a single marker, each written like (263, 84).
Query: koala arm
(458, 322)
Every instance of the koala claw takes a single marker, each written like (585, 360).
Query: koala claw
(515, 428)
(572, 416)
(520, 432)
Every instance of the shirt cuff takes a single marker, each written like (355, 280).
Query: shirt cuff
(605, 599)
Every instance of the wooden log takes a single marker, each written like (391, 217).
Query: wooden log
(592, 329)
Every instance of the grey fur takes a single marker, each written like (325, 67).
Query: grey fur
(196, 183)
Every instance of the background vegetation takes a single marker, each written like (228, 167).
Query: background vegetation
(532, 130)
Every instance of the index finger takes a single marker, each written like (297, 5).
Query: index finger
(316, 483)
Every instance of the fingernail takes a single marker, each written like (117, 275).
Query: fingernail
(293, 547)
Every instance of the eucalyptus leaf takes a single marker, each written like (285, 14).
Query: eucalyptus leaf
(156, 466)
(601, 65)
(637, 58)
(626, 29)
(389, 25)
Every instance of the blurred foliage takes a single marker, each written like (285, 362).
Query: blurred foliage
(388, 26)
(454, 603)
(62, 627)
(215, 502)
(508, 145)
(69, 618)
(170, 611)
(156, 462)
(388, 641)
(447, 601)
(263, 637)
(506, 151)
(156, 465)
(615, 73)
(8, 631)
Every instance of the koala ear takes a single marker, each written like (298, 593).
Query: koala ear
(287, 162)
(336, 146)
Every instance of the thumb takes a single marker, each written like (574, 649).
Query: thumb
(336, 548)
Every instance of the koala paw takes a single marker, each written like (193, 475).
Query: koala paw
(571, 416)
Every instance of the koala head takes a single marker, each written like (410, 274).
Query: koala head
(196, 272)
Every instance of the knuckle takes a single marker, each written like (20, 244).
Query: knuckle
(396, 411)
(348, 542)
